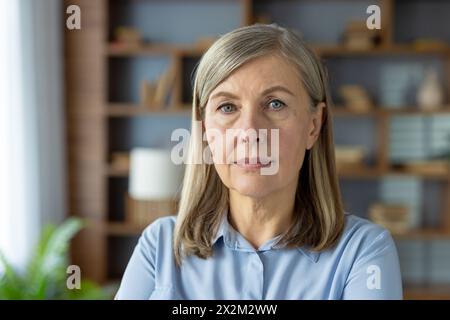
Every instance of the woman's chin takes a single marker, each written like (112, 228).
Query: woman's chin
(255, 187)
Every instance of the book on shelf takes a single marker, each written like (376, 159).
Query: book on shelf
(155, 95)
(161, 92)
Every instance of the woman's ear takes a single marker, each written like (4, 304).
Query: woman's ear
(315, 125)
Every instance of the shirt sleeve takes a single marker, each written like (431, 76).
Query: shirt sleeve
(375, 273)
(138, 281)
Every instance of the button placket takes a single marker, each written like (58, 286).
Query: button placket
(254, 278)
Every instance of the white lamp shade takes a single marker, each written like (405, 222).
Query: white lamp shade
(153, 175)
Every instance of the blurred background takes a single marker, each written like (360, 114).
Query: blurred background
(91, 91)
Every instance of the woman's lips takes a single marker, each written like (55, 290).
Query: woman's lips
(252, 163)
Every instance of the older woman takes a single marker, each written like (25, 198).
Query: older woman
(241, 234)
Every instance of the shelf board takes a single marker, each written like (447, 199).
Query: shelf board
(385, 111)
(425, 175)
(361, 172)
(430, 176)
(423, 234)
(115, 50)
(427, 292)
(343, 111)
(415, 111)
(358, 171)
(123, 229)
(113, 172)
(398, 49)
(133, 110)
(154, 49)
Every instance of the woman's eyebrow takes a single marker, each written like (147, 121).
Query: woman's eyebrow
(277, 88)
(223, 94)
(265, 92)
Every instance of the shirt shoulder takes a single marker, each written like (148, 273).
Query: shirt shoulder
(370, 261)
(360, 229)
(142, 274)
(363, 239)
(160, 229)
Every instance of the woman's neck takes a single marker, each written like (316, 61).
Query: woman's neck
(260, 220)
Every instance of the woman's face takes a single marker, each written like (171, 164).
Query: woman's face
(265, 93)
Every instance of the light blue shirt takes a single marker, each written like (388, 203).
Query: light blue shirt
(363, 265)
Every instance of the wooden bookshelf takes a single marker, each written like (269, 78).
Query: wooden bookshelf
(90, 112)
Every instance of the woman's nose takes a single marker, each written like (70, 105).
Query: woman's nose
(250, 119)
(249, 126)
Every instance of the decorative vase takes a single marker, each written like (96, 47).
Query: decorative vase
(430, 95)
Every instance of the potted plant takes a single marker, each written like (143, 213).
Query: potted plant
(45, 275)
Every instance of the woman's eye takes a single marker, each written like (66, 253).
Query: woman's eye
(227, 108)
(276, 104)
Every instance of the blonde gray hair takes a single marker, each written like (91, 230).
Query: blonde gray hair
(319, 215)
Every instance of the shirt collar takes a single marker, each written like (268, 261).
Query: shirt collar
(312, 255)
(234, 240)
(222, 227)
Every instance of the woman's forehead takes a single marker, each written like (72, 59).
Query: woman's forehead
(260, 74)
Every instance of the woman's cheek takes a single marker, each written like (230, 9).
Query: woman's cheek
(292, 146)
(216, 145)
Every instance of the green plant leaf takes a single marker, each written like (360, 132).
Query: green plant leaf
(48, 265)
(11, 283)
(45, 276)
